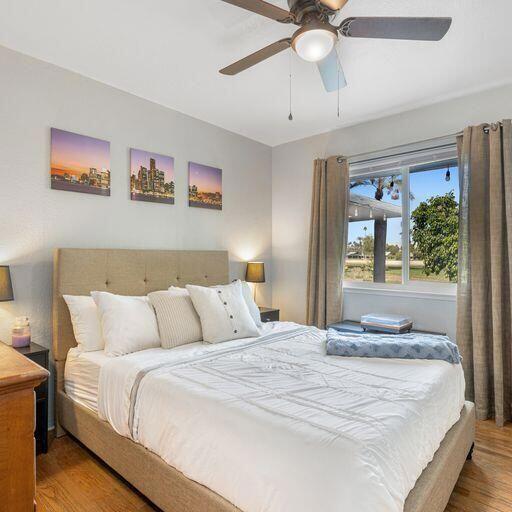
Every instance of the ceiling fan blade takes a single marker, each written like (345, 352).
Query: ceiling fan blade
(418, 29)
(257, 57)
(329, 69)
(263, 8)
(335, 5)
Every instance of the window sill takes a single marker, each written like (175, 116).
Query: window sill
(420, 290)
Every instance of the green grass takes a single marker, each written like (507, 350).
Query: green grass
(360, 271)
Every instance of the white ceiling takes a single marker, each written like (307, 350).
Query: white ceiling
(169, 51)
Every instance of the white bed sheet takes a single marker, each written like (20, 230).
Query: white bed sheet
(82, 374)
(281, 427)
(82, 369)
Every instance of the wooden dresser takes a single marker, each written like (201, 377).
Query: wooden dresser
(18, 378)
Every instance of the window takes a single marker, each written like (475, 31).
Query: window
(434, 223)
(374, 250)
(403, 224)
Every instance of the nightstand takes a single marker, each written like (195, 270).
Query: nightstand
(269, 314)
(39, 355)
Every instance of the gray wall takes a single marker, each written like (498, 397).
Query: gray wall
(266, 192)
(292, 166)
(34, 219)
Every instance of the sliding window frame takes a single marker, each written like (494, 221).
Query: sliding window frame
(406, 223)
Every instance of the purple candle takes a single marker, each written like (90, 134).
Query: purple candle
(20, 340)
(21, 332)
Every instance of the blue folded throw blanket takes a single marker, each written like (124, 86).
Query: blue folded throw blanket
(392, 346)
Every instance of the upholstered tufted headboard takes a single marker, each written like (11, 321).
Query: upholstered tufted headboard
(125, 272)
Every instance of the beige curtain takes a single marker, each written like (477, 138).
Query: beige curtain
(327, 241)
(485, 267)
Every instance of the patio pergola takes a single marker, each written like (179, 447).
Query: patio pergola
(362, 208)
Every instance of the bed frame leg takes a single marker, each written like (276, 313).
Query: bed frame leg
(59, 431)
(470, 454)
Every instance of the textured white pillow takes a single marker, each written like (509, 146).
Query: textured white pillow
(253, 308)
(128, 323)
(178, 321)
(223, 312)
(86, 323)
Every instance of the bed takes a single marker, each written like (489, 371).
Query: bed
(83, 409)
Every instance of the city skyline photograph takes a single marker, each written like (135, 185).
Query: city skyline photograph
(79, 163)
(204, 186)
(151, 177)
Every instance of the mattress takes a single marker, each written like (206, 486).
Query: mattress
(274, 424)
(81, 376)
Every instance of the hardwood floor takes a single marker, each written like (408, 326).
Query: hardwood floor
(71, 479)
(485, 484)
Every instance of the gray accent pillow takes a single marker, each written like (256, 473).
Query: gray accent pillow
(178, 321)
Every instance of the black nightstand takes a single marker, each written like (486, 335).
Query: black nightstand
(39, 355)
(269, 314)
(353, 326)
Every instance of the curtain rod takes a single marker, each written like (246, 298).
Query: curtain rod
(404, 153)
(485, 127)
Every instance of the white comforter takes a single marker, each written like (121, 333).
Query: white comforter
(276, 425)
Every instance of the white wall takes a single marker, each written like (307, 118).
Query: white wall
(34, 219)
(292, 166)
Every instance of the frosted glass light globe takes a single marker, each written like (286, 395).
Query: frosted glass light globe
(314, 45)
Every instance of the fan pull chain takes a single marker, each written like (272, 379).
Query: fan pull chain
(338, 66)
(290, 116)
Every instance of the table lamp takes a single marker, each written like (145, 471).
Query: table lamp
(255, 273)
(6, 293)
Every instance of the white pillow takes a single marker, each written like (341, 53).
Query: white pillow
(86, 323)
(247, 295)
(178, 321)
(128, 323)
(253, 308)
(177, 289)
(223, 312)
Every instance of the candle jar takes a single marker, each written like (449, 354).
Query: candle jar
(21, 332)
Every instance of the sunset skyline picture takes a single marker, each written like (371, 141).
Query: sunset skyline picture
(79, 163)
(204, 186)
(151, 177)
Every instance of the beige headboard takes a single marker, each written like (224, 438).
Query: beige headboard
(125, 272)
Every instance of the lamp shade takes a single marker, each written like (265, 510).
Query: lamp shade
(255, 272)
(6, 292)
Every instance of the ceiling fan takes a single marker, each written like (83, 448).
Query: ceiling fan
(316, 38)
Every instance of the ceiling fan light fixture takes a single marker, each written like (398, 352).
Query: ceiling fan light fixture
(315, 44)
